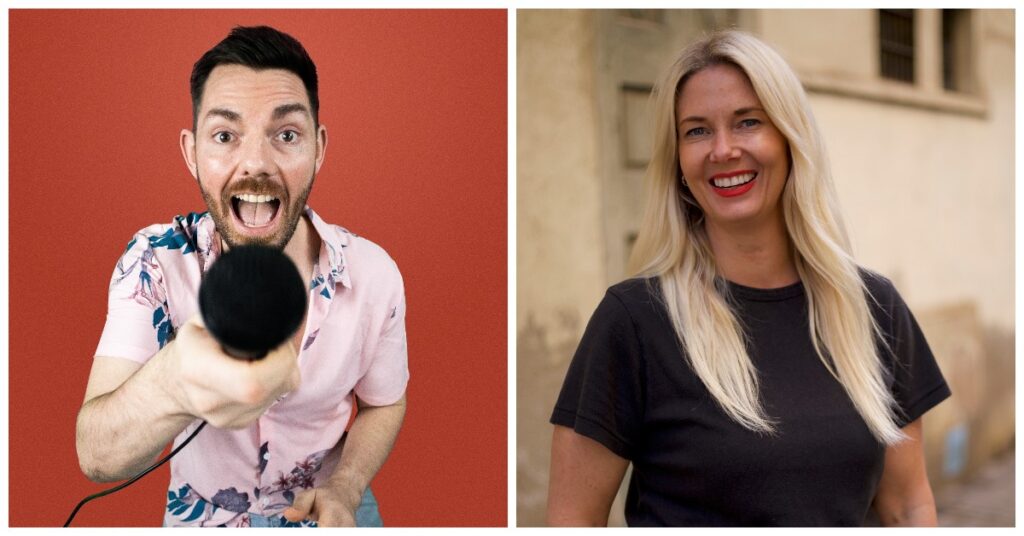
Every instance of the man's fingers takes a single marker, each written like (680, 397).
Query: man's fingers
(301, 506)
(334, 515)
(328, 519)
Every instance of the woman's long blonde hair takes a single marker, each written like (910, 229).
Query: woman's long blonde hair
(673, 246)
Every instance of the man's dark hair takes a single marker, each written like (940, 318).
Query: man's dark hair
(257, 47)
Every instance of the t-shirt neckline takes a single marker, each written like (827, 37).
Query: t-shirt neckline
(766, 294)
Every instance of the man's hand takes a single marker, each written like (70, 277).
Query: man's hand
(327, 505)
(222, 390)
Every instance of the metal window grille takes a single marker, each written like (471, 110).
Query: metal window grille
(954, 49)
(896, 43)
(648, 15)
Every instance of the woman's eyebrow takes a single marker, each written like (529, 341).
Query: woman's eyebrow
(739, 111)
(693, 118)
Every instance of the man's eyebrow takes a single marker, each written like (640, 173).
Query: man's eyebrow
(286, 109)
(225, 113)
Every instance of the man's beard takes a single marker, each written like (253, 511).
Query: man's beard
(222, 209)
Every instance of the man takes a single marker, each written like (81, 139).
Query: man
(275, 452)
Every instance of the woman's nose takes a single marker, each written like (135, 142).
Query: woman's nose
(723, 147)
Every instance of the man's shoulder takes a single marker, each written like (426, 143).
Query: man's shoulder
(364, 258)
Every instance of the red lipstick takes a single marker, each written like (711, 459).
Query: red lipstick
(733, 191)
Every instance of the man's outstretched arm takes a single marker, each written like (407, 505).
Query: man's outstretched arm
(127, 418)
(132, 411)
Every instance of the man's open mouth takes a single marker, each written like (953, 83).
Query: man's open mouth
(255, 210)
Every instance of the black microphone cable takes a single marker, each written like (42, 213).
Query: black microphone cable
(134, 478)
(247, 324)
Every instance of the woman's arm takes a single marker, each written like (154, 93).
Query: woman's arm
(584, 479)
(904, 496)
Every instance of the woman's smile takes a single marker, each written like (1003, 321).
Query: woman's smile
(732, 157)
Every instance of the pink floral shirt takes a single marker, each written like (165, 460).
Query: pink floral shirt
(353, 344)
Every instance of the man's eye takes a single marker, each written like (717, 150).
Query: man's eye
(223, 137)
(288, 136)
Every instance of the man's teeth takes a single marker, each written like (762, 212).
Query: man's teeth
(256, 210)
(253, 198)
(734, 181)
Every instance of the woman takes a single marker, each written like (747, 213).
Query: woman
(752, 373)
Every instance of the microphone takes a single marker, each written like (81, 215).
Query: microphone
(252, 299)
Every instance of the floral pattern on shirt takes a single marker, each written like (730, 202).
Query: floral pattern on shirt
(186, 505)
(280, 493)
(310, 339)
(149, 289)
(178, 237)
(327, 283)
(318, 282)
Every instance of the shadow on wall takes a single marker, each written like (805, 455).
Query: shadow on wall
(961, 434)
(977, 422)
(543, 351)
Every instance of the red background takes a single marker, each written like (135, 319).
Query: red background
(415, 107)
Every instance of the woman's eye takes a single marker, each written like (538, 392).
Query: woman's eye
(699, 131)
(223, 137)
(748, 123)
(288, 136)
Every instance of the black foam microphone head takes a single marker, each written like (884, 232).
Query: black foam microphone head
(252, 299)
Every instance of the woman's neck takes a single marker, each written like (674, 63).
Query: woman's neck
(754, 256)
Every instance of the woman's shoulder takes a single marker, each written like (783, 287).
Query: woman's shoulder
(884, 301)
(880, 289)
(637, 291)
(637, 300)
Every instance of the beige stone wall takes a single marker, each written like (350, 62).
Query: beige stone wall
(826, 41)
(928, 194)
(925, 178)
(559, 224)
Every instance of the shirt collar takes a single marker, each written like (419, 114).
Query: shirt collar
(333, 241)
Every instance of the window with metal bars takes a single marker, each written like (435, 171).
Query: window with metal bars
(956, 50)
(647, 15)
(896, 43)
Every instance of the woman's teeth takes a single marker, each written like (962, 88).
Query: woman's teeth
(733, 181)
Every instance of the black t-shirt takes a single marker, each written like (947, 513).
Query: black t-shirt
(630, 388)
